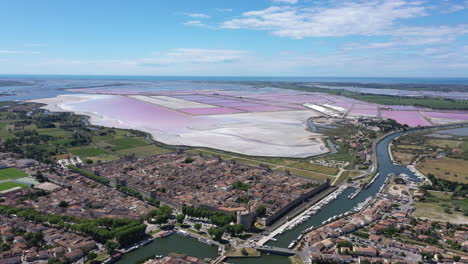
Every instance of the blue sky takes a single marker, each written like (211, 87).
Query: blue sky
(382, 38)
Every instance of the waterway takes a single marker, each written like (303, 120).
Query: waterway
(341, 205)
(175, 243)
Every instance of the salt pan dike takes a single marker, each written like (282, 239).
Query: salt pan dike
(262, 123)
(251, 133)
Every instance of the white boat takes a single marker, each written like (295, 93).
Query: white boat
(204, 240)
(132, 248)
(182, 232)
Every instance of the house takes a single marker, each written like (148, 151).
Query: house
(369, 252)
(75, 255)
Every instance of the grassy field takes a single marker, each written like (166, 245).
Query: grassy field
(87, 152)
(8, 185)
(55, 132)
(435, 208)
(442, 143)
(446, 168)
(436, 103)
(127, 142)
(11, 173)
(144, 150)
(403, 158)
(109, 157)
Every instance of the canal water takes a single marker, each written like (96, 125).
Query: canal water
(174, 243)
(191, 247)
(341, 205)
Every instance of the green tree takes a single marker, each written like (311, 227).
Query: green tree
(111, 246)
(216, 233)
(197, 226)
(261, 211)
(63, 204)
(91, 255)
(180, 218)
(162, 219)
(244, 252)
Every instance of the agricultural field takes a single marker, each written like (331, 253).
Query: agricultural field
(145, 150)
(443, 143)
(87, 151)
(11, 173)
(9, 185)
(127, 142)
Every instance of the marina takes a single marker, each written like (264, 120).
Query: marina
(354, 194)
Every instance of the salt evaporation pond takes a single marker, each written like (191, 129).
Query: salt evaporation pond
(446, 115)
(239, 118)
(410, 118)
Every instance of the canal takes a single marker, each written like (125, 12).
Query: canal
(341, 205)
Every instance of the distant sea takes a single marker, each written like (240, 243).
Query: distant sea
(389, 80)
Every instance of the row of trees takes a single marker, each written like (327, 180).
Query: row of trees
(222, 221)
(88, 174)
(217, 218)
(160, 215)
(125, 231)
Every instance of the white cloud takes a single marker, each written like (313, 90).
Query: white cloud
(412, 41)
(431, 31)
(196, 23)
(431, 61)
(373, 17)
(197, 56)
(174, 57)
(449, 7)
(224, 9)
(18, 52)
(39, 45)
(197, 15)
(292, 2)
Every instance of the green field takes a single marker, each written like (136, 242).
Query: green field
(144, 151)
(442, 143)
(435, 103)
(8, 185)
(104, 158)
(55, 132)
(11, 173)
(87, 152)
(127, 142)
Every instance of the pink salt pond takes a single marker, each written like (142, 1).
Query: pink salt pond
(364, 112)
(458, 115)
(210, 111)
(138, 113)
(263, 108)
(410, 118)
